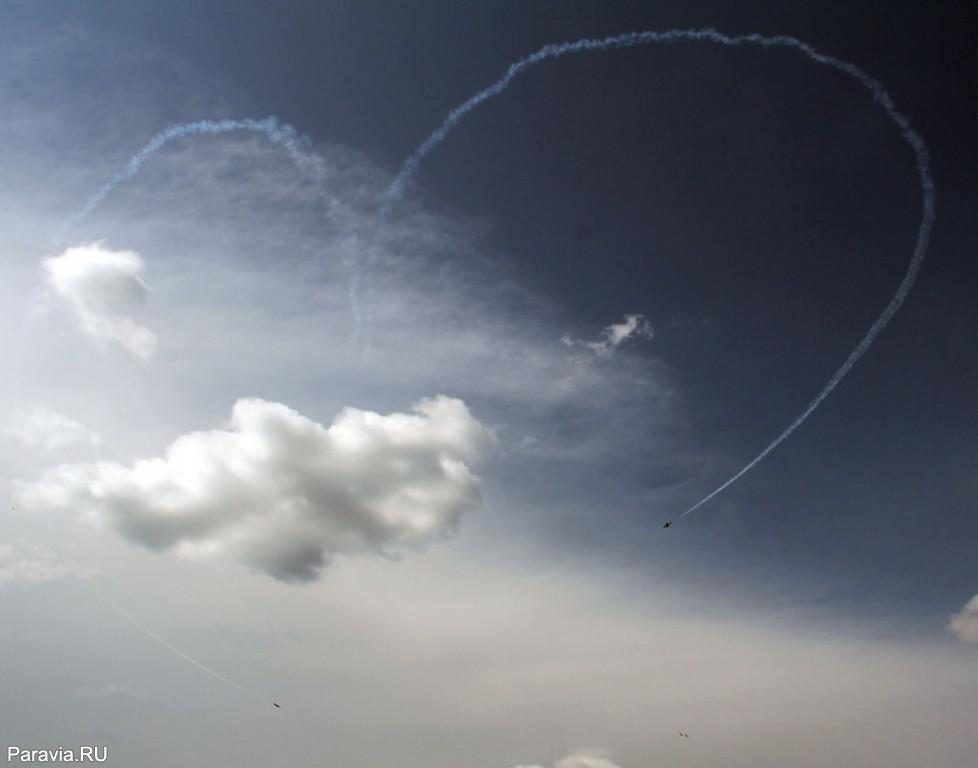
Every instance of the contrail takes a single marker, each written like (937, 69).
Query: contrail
(100, 593)
(172, 648)
(631, 40)
(278, 133)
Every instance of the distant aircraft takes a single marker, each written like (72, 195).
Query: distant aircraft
(668, 523)
(684, 735)
(276, 705)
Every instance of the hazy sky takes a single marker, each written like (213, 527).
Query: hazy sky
(406, 476)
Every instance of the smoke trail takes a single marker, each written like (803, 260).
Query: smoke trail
(277, 133)
(172, 648)
(630, 40)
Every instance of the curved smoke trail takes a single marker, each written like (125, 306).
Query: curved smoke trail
(277, 133)
(631, 40)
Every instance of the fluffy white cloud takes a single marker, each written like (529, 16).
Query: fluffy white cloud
(284, 493)
(964, 624)
(579, 761)
(614, 335)
(48, 430)
(104, 287)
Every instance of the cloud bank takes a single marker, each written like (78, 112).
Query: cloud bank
(964, 623)
(286, 494)
(104, 287)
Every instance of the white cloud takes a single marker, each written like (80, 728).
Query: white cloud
(964, 623)
(579, 760)
(258, 266)
(30, 564)
(48, 430)
(285, 494)
(584, 761)
(614, 335)
(104, 287)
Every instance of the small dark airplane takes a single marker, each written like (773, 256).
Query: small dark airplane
(276, 705)
(684, 735)
(667, 524)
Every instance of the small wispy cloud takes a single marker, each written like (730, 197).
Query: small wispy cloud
(964, 623)
(25, 563)
(614, 335)
(579, 760)
(47, 430)
(126, 688)
(105, 288)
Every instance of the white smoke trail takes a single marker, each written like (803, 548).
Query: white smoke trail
(100, 593)
(172, 648)
(278, 133)
(630, 40)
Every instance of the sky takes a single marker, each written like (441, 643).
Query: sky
(403, 471)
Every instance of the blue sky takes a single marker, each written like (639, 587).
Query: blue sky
(406, 475)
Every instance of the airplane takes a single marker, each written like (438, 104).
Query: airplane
(276, 705)
(668, 523)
